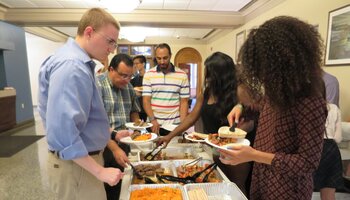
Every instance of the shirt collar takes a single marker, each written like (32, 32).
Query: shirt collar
(109, 79)
(83, 55)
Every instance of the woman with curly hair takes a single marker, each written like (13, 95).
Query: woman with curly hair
(281, 66)
(213, 105)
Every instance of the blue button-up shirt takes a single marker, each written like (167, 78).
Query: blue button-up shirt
(70, 104)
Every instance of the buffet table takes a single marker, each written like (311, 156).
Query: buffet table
(228, 190)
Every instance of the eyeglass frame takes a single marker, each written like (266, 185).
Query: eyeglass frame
(122, 75)
(111, 42)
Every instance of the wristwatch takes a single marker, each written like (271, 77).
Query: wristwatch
(151, 118)
(113, 134)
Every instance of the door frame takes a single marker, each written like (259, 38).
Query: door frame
(191, 55)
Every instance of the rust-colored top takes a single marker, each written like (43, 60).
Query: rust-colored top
(296, 138)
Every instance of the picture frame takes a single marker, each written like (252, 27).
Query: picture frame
(240, 38)
(338, 37)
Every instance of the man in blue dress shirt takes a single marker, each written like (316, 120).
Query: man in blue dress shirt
(72, 110)
(332, 88)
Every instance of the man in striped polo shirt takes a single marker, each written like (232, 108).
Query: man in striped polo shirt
(165, 91)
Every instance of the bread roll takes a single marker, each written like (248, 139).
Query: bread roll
(200, 135)
(224, 132)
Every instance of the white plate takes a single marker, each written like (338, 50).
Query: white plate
(128, 140)
(225, 147)
(169, 127)
(133, 127)
(193, 140)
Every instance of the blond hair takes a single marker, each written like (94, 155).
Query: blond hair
(96, 18)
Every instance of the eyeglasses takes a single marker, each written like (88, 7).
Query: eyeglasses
(112, 43)
(122, 75)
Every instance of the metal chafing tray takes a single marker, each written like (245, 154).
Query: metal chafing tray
(138, 187)
(174, 153)
(218, 173)
(169, 169)
(228, 191)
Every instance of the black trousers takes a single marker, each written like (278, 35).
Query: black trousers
(113, 192)
(143, 116)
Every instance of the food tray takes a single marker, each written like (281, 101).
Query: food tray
(218, 191)
(174, 153)
(168, 166)
(219, 174)
(177, 186)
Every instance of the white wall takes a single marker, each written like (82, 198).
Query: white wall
(38, 49)
(313, 11)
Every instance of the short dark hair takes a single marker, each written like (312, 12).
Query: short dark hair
(117, 59)
(162, 46)
(141, 58)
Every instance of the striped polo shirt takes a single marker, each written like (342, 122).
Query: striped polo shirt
(166, 91)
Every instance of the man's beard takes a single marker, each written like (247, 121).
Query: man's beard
(164, 68)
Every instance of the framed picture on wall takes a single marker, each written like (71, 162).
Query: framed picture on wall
(338, 37)
(240, 37)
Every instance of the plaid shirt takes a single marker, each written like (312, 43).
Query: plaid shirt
(118, 103)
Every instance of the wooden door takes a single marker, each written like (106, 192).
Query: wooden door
(187, 56)
(186, 68)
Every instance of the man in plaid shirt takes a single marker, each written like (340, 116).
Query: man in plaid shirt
(121, 104)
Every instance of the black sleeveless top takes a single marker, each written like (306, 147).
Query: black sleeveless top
(211, 123)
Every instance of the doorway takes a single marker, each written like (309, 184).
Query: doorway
(190, 60)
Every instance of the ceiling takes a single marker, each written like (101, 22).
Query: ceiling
(180, 19)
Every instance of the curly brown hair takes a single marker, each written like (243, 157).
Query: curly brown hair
(281, 60)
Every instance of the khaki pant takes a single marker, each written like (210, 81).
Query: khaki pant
(69, 181)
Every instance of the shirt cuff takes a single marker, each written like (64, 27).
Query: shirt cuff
(74, 151)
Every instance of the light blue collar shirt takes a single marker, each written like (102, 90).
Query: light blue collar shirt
(70, 104)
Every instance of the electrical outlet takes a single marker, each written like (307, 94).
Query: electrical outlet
(22, 105)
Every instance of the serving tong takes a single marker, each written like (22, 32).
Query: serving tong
(151, 155)
(137, 173)
(193, 162)
(233, 127)
(183, 135)
(139, 176)
(189, 179)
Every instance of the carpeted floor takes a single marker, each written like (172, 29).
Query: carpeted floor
(10, 145)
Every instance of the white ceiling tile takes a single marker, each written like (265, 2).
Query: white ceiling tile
(151, 4)
(166, 32)
(202, 5)
(46, 4)
(18, 3)
(199, 5)
(205, 5)
(93, 3)
(229, 5)
(73, 3)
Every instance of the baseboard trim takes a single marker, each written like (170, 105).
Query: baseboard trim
(19, 126)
